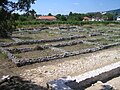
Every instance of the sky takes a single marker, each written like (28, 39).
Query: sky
(77, 6)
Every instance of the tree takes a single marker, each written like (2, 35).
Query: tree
(70, 14)
(32, 13)
(63, 18)
(23, 17)
(75, 16)
(105, 17)
(110, 16)
(7, 24)
(15, 16)
(49, 14)
(58, 16)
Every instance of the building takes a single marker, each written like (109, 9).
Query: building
(97, 19)
(86, 19)
(46, 18)
(92, 19)
(118, 18)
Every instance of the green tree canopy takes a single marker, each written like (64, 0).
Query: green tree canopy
(7, 7)
(49, 14)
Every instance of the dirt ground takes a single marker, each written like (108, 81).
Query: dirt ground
(41, 73)
(114, 83)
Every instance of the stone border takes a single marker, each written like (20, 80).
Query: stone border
(10, 56)
(22, 62)
(87, 79)
(41, 41)
(70, 43)
(32, 29)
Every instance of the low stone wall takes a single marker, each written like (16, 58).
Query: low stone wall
(20, 50)
(16, 40)
(95, 34)
(87, 79)
(31, 29)
(10, 56)
(22, 62)
(70, 43)
(41, 41)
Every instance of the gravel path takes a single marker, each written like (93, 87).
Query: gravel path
(115, 83)
(40, 74)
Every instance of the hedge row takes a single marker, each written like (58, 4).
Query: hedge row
(64, 22)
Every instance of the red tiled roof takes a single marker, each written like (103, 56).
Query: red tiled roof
(46, 18)
(86, 18)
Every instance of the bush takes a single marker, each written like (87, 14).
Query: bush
(24, 23)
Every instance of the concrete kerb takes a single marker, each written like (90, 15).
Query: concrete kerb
(87, 79)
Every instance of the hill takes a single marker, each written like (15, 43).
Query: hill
(116, 11)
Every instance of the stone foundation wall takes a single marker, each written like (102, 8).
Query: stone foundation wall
(21, 62)
(20, 50)
(41, 41)
(64, 55)
(10, 56)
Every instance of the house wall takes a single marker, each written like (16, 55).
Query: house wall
(118, 18)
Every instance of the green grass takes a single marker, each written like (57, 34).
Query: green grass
(41, 35)
(2, 40)
(3, 56)
(77, 47)
(37, 53)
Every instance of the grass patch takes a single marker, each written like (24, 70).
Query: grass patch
(77, 47)
(37, 53)
(2, 40)
(3, 56)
